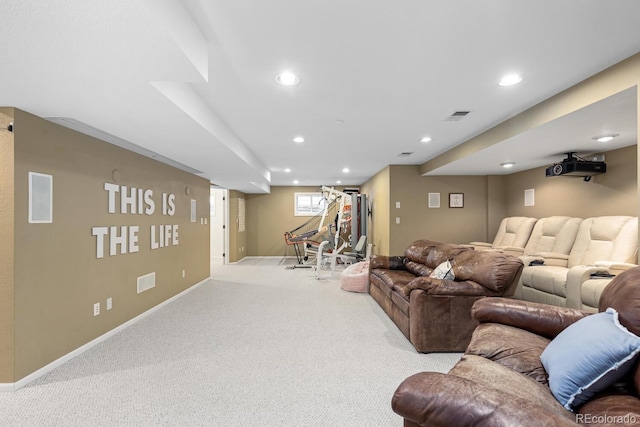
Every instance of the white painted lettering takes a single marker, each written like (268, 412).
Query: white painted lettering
(115, 240)
(112, 189)
(151, 206)
(140, 201)
(167, 235)
(172, 204)
(133, 239)
(161, 237)
(99, 232)
(122, 239)
(154, 242)
(164, 236)
(175, 235)
(164, 203)
(127, 200)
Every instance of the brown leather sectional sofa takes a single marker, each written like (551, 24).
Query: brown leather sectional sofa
(502, 380)
(435, 314)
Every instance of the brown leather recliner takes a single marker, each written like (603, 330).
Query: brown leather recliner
(501, 381)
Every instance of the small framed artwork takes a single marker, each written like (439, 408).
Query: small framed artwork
(456, 200)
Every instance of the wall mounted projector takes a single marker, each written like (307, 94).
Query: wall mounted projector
(575, 166)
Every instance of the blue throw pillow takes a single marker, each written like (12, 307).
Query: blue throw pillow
(589, 356)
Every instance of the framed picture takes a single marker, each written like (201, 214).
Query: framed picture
(456, 200)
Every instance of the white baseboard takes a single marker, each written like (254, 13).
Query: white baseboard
(8, 387)
(264, 257)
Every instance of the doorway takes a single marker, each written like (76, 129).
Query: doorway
(219, 214)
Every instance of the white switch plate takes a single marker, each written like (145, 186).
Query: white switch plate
(109, 303)
(96, 309)
(397, 205)
(397, 220)
(184, 273)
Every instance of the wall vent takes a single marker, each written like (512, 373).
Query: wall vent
(457, 116)
(146, 282)
(405, 154)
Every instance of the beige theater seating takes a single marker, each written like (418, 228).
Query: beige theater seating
(513, 234)
(605, 243)
(552, 237)
(589, 292)
(554, 234)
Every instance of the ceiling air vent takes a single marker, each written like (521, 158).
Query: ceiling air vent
(405, 154)
(457, 116)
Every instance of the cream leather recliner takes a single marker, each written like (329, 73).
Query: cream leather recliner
(513, 234)
(552, 237)
(554, 234)
(602, 244)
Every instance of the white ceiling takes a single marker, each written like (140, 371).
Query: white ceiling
(193, 80)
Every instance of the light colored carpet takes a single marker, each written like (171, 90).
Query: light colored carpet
(260, 345)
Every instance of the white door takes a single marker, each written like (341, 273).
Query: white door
(218, 219)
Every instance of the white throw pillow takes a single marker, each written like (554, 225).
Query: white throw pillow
(443, 271)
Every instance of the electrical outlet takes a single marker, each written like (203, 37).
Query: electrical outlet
(96, 309)
(109, 303)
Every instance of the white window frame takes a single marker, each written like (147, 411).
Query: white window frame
(313, 198)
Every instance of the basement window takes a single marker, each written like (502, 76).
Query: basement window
(308, 204)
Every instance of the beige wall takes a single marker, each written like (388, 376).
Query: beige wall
(446, 224)
(487, 200)
(269, 216)
(237, 239)
(612, 193)
(496, 204)
(58, 276)
(485, 206)
(378, 190)
(6, 250)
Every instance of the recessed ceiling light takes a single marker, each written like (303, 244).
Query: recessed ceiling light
(295, 181)
(508, 164)
(287, 170)
(338, 182)
(298, 139)
(287, 79)
(345, 170)
(605, 138)
(510, 80)
(425, 139)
